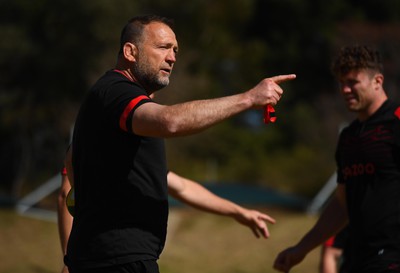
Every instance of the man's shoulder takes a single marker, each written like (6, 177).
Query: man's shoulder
(395, 109)
(355, 123)
(112, 84)
(390, 110)
(112, 78)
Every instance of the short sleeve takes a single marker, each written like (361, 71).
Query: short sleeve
(121, 101)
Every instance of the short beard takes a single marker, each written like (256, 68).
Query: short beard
(150, 81)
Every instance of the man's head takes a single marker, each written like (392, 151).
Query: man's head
(357, 58)
(359, 71)
(148, 48)
(133, 30)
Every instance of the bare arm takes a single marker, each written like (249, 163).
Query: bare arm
(195, 195)
(331, 221)
(152, 119)
(63, 216)
(68, 166)
(330, 257)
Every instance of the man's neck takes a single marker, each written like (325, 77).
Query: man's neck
(364, 115)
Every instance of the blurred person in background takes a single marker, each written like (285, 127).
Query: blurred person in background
(368, 167)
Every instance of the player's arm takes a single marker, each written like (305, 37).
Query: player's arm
(68, 165)
(151, 119)
(63, 216)
(197, 196)
(330, 257)
(331, 221)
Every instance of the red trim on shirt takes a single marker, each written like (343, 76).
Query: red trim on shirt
(64, 171)
(128, 109)
(330, 241)
(125, 75)
(397, 112)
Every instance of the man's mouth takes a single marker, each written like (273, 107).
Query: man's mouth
(166, 70)
(350, 98)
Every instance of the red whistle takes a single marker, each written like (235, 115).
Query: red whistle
(269, 114)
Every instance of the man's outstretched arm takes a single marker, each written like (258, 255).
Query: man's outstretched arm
(197, 196)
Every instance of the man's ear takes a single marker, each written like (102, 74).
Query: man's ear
(378, 79)
(130, 52)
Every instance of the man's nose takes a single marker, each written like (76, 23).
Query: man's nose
(171, 57)
(345, 88)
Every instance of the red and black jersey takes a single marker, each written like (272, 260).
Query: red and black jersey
(368, 160)
(121, 205)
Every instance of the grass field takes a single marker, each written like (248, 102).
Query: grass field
(197, 243)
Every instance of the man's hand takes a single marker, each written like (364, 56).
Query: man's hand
(268, 90)
(288, 258)
(65, 269)
(256, 221)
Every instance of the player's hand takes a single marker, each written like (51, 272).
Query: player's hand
(256, 221)
(288, 258)
(268, 90)
(65, 269)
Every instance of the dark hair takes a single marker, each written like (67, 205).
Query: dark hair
(355, 58)
(133, 30)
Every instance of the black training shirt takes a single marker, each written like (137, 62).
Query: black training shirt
(368, 160)
(121, 206)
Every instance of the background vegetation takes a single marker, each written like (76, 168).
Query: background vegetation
(51, 52)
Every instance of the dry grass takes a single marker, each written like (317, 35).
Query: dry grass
(28, 245)
(197, 242)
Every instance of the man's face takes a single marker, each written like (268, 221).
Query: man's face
(156, 56)
(358, 89)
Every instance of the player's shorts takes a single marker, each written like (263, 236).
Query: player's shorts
(148, 266)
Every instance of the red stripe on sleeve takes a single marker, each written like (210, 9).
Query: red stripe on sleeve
(128, 109)
(397, 112)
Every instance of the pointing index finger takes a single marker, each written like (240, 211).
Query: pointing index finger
(283, 78)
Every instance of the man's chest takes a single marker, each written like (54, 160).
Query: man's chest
(367, 150)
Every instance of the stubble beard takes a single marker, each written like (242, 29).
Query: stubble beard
(151, 80)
